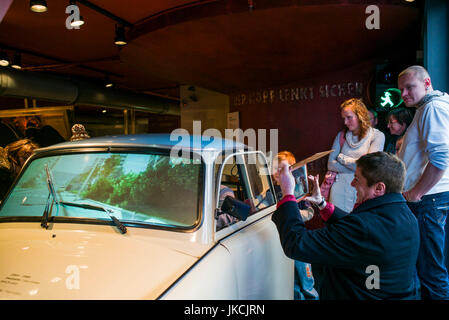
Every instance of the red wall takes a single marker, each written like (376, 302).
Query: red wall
(308, 122)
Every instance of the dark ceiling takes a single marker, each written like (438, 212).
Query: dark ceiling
(222, 45)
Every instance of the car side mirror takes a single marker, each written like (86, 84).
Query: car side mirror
(235, 208)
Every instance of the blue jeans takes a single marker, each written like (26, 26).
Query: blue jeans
(431, 213)
(446, 247)
(303, 289)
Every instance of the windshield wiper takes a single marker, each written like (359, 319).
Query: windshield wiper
(116, 221)
(51, 194)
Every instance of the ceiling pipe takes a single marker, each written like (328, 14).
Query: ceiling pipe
(104, 12)
(41, 86)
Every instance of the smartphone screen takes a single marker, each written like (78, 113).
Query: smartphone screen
(302, 185)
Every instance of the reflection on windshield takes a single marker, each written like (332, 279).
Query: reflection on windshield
(146, 188)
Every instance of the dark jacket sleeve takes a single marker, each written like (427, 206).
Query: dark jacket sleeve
(337, 244)
(336, 215)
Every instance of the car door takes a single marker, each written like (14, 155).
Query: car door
(262, 270)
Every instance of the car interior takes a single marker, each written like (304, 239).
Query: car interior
(246, 179)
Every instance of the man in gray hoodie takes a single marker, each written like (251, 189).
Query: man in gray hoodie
(425, 152)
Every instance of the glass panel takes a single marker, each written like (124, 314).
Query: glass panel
(230, 185)
(247, 179)
(259, 181)
(147, 188)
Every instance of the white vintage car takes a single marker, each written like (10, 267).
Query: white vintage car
(141, 217)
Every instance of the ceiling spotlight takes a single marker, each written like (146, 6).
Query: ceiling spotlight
(120, 39)
(17, 61)
(38, 5)
(108, 83)
(104, 111)
(4, 59)
(77, 22)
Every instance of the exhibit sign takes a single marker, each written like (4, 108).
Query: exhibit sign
(298, 94)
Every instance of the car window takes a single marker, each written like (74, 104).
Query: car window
(134, 187)
(259, 181)
(246, 178)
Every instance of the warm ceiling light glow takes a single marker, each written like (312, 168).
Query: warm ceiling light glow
(17, 61)
(4, 59)
(120, 39)
(77, 23)
(120, 42)
(38, 5)
(107, 82)
(409, 0)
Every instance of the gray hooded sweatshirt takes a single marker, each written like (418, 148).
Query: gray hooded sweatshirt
(427, 140)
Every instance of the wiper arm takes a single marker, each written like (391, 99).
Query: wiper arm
(116, 221)
(51, 193)
(44, 222)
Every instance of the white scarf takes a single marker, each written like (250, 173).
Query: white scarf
(354, 142)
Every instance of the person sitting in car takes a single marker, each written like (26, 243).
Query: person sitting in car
(224, 219)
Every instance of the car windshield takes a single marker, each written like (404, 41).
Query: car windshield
(133, 187)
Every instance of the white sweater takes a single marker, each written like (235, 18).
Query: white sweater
(342, 194)
(343, 160)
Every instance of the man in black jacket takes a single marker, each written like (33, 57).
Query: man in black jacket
(368, 254)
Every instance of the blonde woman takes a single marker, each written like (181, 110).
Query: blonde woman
(359, 139)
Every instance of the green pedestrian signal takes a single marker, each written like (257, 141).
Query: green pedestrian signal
(389, 99)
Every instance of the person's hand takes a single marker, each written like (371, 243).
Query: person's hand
(286, 179)
(306, 214)
(410, 196)
(340, 158)
(315, 197)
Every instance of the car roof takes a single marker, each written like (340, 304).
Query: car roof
(165, 141)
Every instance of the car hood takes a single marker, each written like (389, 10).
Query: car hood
(95, 263)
